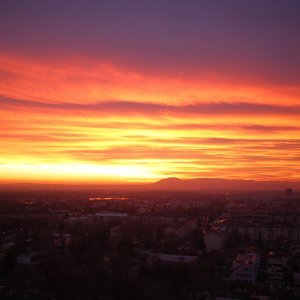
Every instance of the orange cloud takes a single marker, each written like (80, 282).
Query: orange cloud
(83, 80)
(82, 120)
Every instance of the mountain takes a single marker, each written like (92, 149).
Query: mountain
(175, 184)
(167, 184)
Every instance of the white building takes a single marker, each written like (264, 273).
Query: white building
(109, 217)
(276, 268)
(245, 268)
(171, 259)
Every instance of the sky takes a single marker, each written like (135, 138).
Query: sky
(106, 91)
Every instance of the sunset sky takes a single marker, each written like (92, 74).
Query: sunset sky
(95, 91)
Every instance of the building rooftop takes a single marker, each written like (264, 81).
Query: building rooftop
(246, 259)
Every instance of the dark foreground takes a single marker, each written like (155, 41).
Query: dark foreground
(149, 245)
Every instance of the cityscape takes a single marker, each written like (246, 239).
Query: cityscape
(133, 244)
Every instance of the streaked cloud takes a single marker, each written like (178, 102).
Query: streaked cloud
(105, 92)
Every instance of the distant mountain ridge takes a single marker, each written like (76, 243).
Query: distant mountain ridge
(176, 184)
(167, 184)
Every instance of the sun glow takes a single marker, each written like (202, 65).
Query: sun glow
(72, 173)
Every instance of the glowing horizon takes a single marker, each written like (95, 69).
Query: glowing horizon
(88, 104)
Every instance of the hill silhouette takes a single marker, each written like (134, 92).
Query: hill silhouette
(175, 184)
(168, 184)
